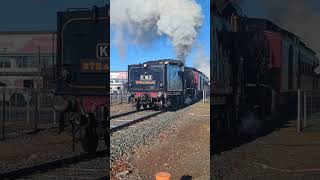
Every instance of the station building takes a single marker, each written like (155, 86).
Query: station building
(27, 58)
(118, 81)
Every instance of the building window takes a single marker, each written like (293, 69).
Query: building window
(5, 62)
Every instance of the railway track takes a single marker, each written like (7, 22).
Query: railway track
(121, 121)
(82, 166)
(123, 114)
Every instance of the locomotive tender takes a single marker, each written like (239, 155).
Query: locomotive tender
(164, 83)
(82, 73)
(257, 68)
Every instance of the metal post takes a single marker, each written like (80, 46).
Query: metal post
(10, 107)
(304, 110)
(203, 96)
(36, 111)
(299, 112)
(16, 105)
(207, 97)
(121, 96)
(39, 104)
(54, 117)
(28, 106)
(3, 113)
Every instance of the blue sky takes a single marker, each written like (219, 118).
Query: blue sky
(37, 14)
(162, 48)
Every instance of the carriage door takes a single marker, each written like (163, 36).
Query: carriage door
(290, 68)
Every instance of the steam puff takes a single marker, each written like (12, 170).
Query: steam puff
(144, 21)
(201, 61)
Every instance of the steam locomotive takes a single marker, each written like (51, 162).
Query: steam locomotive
(82, 74)
(257, 69)
(164, 84)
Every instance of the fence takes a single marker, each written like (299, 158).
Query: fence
(25, 109)
(308, 107)
(120, 96)
(205, 96)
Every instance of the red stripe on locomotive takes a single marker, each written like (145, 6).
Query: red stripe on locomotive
(90, 103)
(151, 94)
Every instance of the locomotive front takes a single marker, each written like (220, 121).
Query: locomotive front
(155, 84)
(82, 73)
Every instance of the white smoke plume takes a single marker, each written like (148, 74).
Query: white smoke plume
(141, 22)
(201, 60)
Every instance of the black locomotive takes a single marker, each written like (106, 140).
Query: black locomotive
(82, 73)
(164, 83)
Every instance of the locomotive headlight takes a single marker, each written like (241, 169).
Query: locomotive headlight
(145, 65)
(65, 74)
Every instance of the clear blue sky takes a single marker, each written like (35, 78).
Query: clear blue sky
(161, 49)
(37, 14)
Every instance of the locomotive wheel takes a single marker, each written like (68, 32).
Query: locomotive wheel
(162, 106)
(151, 105)
(89, 139)
(145, 106)
(106, 138)
(138, 106)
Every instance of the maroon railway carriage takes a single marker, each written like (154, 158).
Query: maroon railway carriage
(285, 64)
(257, 69)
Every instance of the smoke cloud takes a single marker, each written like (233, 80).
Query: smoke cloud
(141, 22)
(201, 60)
(297, 16)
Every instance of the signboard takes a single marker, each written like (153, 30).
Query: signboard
(98, 65)
(146, 79)
(146, 82)
(93, 66)
(103, 51)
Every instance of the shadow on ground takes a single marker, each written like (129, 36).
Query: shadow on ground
(186, 178)
(234, 140)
